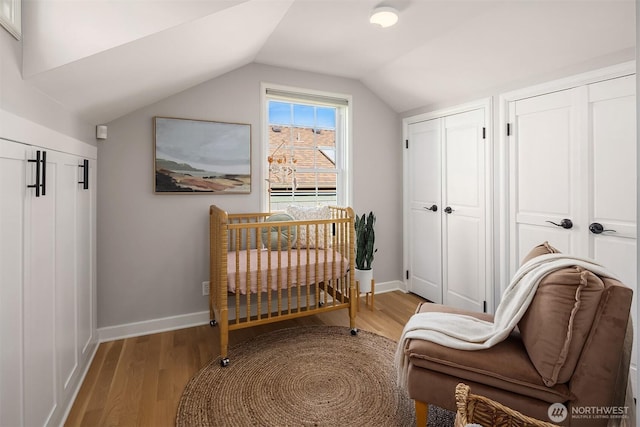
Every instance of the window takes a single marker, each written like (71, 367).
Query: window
(306, 143)
(10, 17)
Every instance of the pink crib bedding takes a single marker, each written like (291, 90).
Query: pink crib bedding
(308, 269)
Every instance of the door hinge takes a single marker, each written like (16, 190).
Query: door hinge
(484, 133)
(484, 306)
(407, 274)
(406, 143)
(508, 129)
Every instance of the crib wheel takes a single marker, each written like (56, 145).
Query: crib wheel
(354, 331)
(213, 323)
(224, 362)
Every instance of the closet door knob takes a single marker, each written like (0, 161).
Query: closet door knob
(597, 228)
(448, 209)
(566, 223)
(433, 208)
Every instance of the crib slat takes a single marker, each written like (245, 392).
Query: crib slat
(269, 280)
(237, 292)
(325, 266)
(315, 269)
(279, 279)
(343, 251)
(339, 237)
(259, 278)
(335, 273)
(248, 276)
(288, 272)
(298, 280)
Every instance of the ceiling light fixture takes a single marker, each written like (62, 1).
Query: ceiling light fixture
(384, 16)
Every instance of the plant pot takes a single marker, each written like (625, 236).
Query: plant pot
(364, 278)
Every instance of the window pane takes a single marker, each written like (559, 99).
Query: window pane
(326, 117)
(279, 113)
(302, 153)
(321, 182)
(304, 115)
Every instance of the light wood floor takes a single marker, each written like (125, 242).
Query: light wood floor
(139, 381)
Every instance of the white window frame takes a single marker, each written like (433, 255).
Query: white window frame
(344, 183)
(11, 17)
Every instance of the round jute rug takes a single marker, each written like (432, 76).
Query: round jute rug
(303, 376)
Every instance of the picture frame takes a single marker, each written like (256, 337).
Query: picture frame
(201, 156)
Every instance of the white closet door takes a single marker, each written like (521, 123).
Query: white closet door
(612, 205)
(85, 259)
(573, 155)
(66, 278)
(613, 192)
(424, 186)
(12, 195)
(545, 175)
(464, 264)
(40, 397)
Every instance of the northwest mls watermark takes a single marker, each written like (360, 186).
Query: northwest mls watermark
(558, 412)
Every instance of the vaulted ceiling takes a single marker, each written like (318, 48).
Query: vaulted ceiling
(106, 58)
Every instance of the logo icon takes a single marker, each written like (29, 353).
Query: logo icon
(557, 412)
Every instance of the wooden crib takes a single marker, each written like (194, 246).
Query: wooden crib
(255, 281)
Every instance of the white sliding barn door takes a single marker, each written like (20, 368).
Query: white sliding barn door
(464, 264)
(446, 187)
(425, 195)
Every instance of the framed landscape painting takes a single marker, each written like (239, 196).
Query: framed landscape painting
(200, 156)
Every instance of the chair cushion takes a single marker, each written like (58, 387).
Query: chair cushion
(504, 366)
(542, 249)
(559, 318)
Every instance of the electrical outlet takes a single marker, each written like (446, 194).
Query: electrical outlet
(205, 288)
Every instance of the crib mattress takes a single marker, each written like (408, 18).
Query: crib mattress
(307, 268)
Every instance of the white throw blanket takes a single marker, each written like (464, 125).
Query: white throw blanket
(468, 333)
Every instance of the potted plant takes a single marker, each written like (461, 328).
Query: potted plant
(365, 241)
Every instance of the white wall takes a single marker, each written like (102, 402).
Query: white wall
(22, 99)
(153, 249)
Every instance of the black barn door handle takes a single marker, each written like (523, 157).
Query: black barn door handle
(38, 162)
(85, 174)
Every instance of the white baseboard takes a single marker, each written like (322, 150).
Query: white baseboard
(171, 323)
(79, 382)
(152, 326)
(394, 285)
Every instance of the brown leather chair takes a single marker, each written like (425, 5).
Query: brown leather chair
(572, 347)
